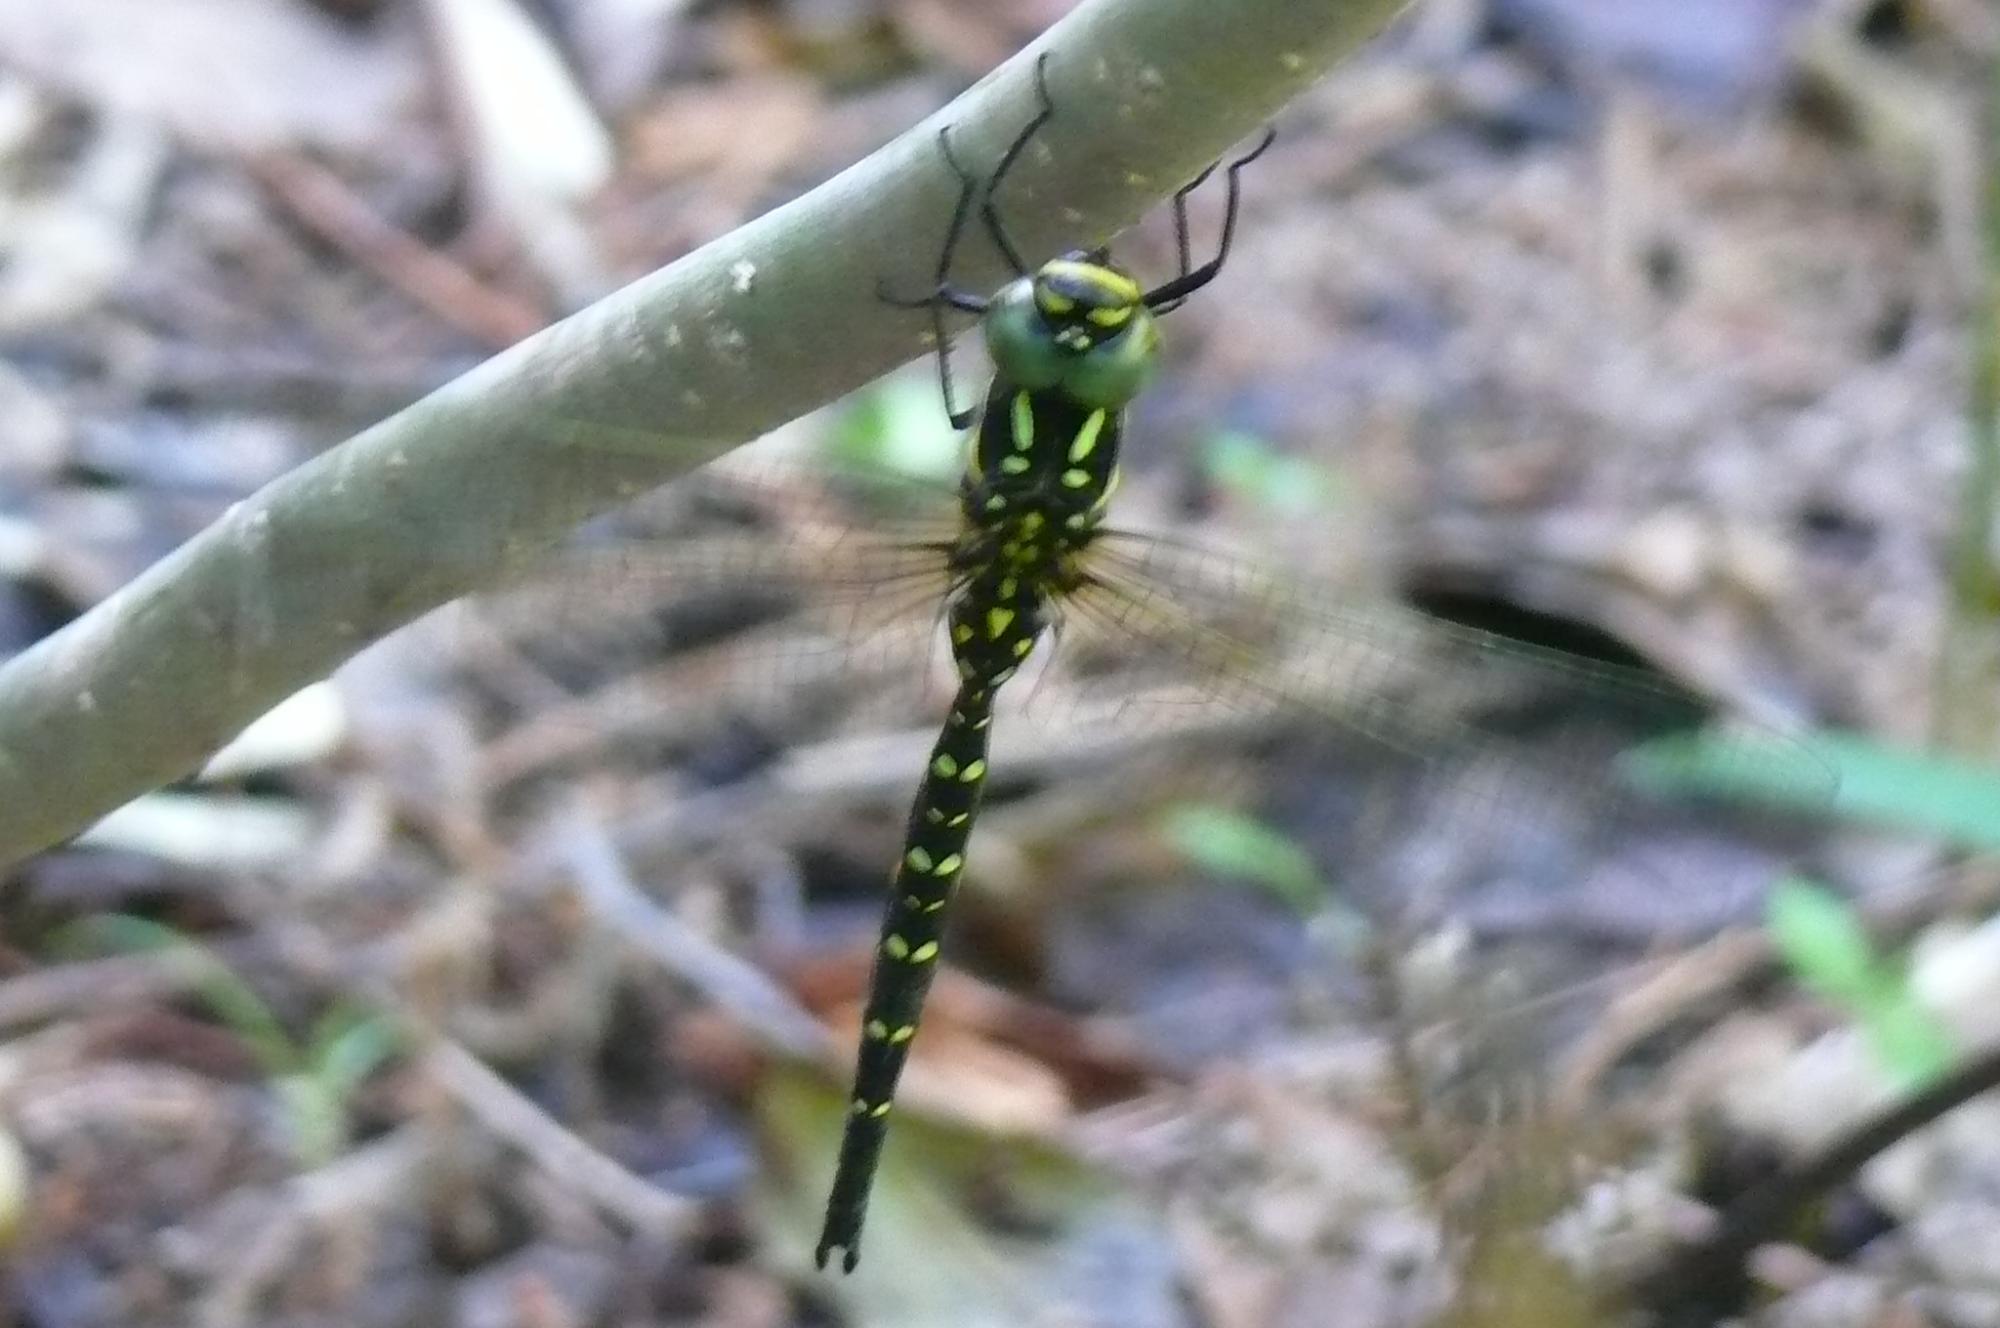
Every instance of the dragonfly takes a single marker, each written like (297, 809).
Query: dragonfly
(1026, 552)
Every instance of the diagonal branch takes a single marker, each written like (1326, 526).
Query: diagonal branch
(746, 333)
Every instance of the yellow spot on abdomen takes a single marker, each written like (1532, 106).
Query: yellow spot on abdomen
(1024, 422)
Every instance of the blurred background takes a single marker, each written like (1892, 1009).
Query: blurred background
(510, 977)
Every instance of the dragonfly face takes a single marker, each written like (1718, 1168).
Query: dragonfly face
(1077, 325)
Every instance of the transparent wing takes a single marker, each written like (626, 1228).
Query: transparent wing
(804, 596)
(765, 590)
(1531, 739)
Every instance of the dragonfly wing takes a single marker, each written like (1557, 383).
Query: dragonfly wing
(1550, 727)
(737, 591)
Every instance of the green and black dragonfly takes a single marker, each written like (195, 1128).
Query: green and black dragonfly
(1026, 553)
(1072, 343)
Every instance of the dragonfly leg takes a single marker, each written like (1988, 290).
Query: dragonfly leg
(1167, 297)
(989, 209)
(943, 294)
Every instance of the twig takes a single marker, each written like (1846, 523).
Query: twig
(502, 1109)
(1713, 1270)
(739, 988)
(324, 203)
(355, 1188)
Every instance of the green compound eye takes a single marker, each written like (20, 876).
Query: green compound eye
(1028, 350)
(1113, 371)
(1020, 340)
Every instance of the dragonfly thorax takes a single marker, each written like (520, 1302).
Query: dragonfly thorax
(1078, 325)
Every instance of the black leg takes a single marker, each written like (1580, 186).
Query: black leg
(989, 210)
(943, 295)
(1182, 248)
(1167, 296)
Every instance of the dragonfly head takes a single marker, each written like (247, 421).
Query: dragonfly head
(1078, 324)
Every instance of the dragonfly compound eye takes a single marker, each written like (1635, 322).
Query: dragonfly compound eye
(1077, 326)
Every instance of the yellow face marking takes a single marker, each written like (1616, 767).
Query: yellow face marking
(1085, 441)
(998, 620)
(895, 946)
(902, 1034)
(1111, 315)
(949, 865)
(1111, 287)
(946, 765)
(1013, 464)
(1024, 422)
(1075, 479)
(1054, 302)
(972, 773)
(918, 859)
(924, 953)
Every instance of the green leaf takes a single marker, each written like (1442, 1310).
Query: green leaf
(228, 996)
(1233, 844)
(1909, 1041)
(1894, 787)
(1247, 465)
(897, 427)
(1821, 939)
(350, 1045)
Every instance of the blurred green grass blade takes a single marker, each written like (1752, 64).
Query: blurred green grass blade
(1231, 844)
(1822, 941)
(1891, 787)
(897, 428)
(232, 999)
(1909, 1041)
(1821, 938)
(1253, 469)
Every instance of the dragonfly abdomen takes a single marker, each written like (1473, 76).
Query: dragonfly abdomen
(991, 634)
